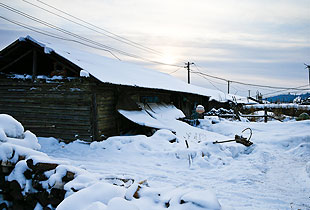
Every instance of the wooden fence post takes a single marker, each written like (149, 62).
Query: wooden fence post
(265, 116)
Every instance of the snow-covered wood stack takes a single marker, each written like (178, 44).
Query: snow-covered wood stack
(25, 172)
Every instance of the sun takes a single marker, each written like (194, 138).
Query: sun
(168, 59)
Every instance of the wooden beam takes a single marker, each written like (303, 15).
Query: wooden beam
(34, 64)
(66, 63)
(16, 60)
(94, 118)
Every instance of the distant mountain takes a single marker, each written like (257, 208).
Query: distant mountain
(286, 98)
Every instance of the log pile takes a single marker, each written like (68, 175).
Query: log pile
(15, 195)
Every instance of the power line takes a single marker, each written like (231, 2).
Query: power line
(211, 83)
(176, 70)
(57, 28)
(50, 34)
(279, 91)
(100, 28)
(206, 78)
(112, 37)
(81, 37)
(248, 84)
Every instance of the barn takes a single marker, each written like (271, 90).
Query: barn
(54, 90)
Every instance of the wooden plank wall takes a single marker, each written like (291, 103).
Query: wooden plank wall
(57, 109)
(107, 116)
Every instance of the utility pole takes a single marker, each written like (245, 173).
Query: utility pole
(308, 67)
(249, 93)
(188, 71)
(228, 82)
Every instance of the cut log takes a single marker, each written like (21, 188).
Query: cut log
(37, 185)
(43, 198)
(41, 167)
(16, 190)
(56, 196)
(30, 201)
(6, 170)
(40, 177)
(68, 177)
(17, 205)
(2, 181)
(28, 174)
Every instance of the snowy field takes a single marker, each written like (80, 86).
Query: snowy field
(274, 173)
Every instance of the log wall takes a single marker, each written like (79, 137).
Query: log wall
(105, 99)
(80, 108)
(58, 109)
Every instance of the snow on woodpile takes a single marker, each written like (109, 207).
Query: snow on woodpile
(12, 132)
(123, 73)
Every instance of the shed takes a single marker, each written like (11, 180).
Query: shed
(45, 88)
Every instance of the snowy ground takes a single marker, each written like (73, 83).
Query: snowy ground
(274, 173)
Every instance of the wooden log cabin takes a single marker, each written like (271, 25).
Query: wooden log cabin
(46, 91)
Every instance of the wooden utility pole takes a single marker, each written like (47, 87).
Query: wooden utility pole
(188, 71)
(228, 82)
(308, 67)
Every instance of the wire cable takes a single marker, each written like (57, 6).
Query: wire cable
(81, 37)
(47, 33)
(279, 91)
(206, 78)
(175, 70)
(85, 26)
(100, 28)
(249, 84)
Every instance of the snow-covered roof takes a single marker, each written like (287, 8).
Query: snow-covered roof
(118, 72)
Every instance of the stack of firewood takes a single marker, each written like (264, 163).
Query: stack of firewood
(47, 197)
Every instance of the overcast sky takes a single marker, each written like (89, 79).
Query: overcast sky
(254, 41)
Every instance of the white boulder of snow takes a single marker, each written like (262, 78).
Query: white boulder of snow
(12, 131)
(30, 140)
(165, 134)
(10, 127)
(204, 199)
(96, 206)
(120, 204)
(102, 192)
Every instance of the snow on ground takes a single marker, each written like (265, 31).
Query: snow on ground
(271, 174)
(274, 173)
